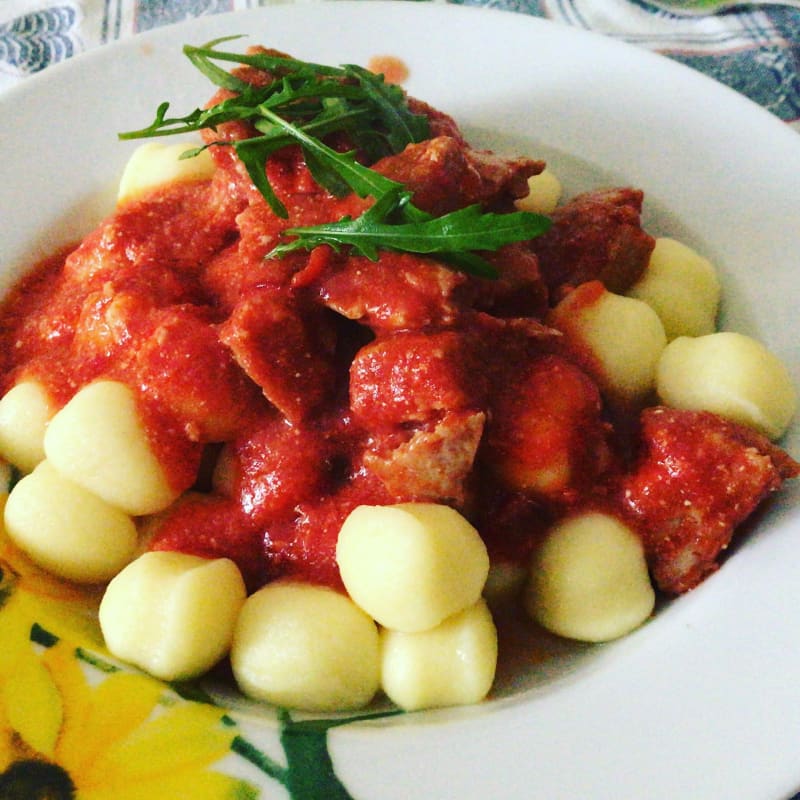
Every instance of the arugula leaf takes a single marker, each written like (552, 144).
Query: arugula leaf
(361, 94)
(236, 108)
(268, 62)
(199, 56)
(253, 153)
(306, 102)
(457, 233)
(362, 180)
(402, 126)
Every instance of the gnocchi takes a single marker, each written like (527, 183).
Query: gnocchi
(25, 411)
(589, 579)
(303, 646)
(622, 338)
(68, 530)
(98, 441)
(154, 164)
(451, 664)
(729, 374)
(409, 566)
(682, 287)
(544, 193)
(172, 614)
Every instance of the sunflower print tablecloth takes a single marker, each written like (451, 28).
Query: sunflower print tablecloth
(76, 725)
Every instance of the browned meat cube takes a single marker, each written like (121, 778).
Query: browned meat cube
(697, 478)
(184, 368)
(596, 236)
(414, 377)
(397, 292)
(287, 353)
(441, 124)
(519, 290)
(433, 465)
(444, 175)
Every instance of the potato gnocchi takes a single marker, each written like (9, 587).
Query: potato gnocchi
(621, 339)
(98, 441)
(172, 614)
(67, 529)
(589, 579)
(302, 646)
(410, 566)
(682, 287)
(25, 411)
(451, 664)
(544, 193)
(732, 375)
(154, 164)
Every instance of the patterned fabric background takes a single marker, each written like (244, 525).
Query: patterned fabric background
(755, 50)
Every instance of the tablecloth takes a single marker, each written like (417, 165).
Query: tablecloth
(755, 49)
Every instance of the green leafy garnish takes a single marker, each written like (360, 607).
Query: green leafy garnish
(306, 102)
(313, 98)
(451, 235)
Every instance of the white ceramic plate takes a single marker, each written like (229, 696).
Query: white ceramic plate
(703, 702)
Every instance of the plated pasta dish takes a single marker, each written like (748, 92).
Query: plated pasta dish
(329, 385)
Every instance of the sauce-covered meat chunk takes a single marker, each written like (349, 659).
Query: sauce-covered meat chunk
(444, 175)
(595, 236)
(546, 435)
(414, 377)
(697, 478)
(286, 349)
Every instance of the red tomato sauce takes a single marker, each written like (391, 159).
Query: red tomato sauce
(394, 69)
(279, 394)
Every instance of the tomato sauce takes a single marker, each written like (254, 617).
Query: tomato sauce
(394, 69)
(279, 394)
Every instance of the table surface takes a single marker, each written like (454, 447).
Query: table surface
(755, 49)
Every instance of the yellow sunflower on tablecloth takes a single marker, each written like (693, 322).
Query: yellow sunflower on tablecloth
(73, 725)
(122, 739)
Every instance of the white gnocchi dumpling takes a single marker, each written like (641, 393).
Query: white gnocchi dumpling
(451, 664)
(25, 410)
(155, 164)
(682, 287)
(172, 614)
(589, 579)
(308, 647)
(621, 337)
(98, 441)
(729, 374)
(544, 193)
(411, 565)
(66, 529)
